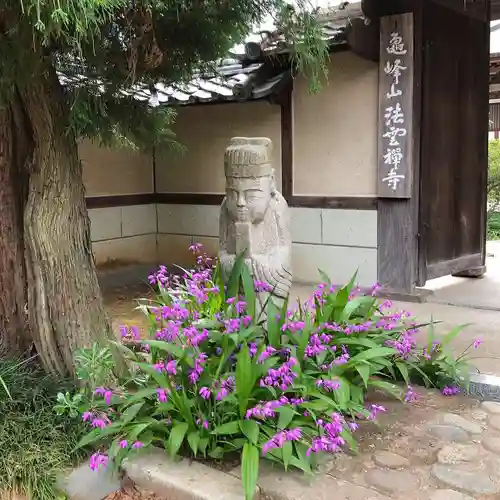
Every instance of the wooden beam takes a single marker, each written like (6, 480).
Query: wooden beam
(397, 216)
(396, 71)
(454, 266)
(363, 38)
(338, 202)
(476, 9)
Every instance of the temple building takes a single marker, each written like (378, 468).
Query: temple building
(384, 169)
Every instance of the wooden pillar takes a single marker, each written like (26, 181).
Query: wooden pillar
(399, 152)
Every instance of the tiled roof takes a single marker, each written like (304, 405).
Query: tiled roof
(231, 74)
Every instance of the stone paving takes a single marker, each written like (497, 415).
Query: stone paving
(437, 449)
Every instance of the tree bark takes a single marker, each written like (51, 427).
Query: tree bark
(49, 255)
(13, 310)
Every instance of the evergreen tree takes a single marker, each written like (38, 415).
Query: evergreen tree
(49, 292)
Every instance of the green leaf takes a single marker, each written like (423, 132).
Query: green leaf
(202, 445)
(177, 435)
(453, 334)
(273, 325)
(251, 430)
(324, 277)
(194, 441)
(173, 349)
(286, 416)
(353, 305)
(248, 290)
(233, 284)
(388, 388)
(302, 461)
(343, 394)
(98, 434)
(245, 379)
(134, 432)
(364, 371)
(403, 369)
(376, 352)
(228, 428)
(249, 470)
(287, 451)
(347, 436)
(130, 413)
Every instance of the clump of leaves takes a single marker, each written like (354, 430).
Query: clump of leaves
(220, 376)
(36, 443)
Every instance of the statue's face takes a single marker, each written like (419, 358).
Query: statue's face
(247, 200)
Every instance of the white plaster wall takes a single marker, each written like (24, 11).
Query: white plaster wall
(339, 242)
(115, 172)
(205, 132)
(335, 130)
(124, 235)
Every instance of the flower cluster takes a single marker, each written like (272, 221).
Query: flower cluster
(196, 383)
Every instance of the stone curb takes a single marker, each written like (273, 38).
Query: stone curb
(182, 479)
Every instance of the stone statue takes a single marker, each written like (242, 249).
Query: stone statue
(254, 219)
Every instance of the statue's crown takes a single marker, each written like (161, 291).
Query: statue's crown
(248, 157)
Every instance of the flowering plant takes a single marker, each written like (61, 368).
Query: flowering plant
(220, 377)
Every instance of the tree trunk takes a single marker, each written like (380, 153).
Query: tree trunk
(64, 303)
(13, 311)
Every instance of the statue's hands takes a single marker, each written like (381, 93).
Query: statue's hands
(274, 273)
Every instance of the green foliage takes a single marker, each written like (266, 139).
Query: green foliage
(493, 176)
(111, 45)
(493, 226)
(36, 443)
(214, 382)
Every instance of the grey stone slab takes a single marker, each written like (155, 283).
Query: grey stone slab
(473, 482)
(390, 460)
(449, 495)
(449, 433)
(85, 484)
(458, 453)
(278, 485)
(182, 480)
(392, 481)
(461, 423)
(491, 407)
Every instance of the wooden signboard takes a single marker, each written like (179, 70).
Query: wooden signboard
(395, 161)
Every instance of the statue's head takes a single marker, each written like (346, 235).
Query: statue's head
(250, 183)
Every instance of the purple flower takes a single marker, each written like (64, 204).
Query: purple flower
(98, 423)
(252, 349)
(195, 248)
(279, 439)
(226, 387)
(205, 393)
(261, 286)
(343, 358)
(123, 443)
(267, 353)
(162, 395)
(87, 415)
(282, 377)
(411, 395)
(450, 390)
(328, 385)
(374, 411)
(171, 367)
(137, 445)
(97, 460)
(195, 373)
(106, 393)
(477, 343)
(240, 306)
